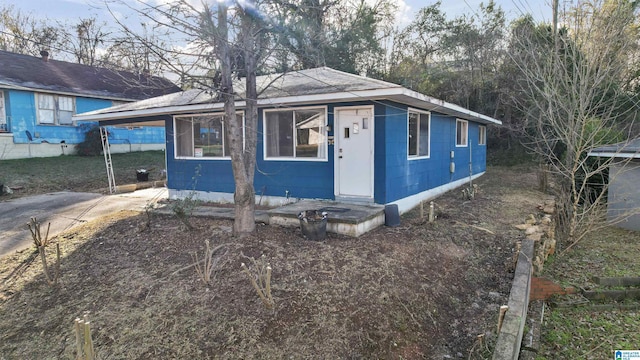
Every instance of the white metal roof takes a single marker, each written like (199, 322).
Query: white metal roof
(313, 86)
(628, 149)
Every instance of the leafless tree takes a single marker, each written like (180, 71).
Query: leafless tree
(132, 53)
(209, 45)
(243, 160)
(23, 34)
(86, 37)
(570, 93)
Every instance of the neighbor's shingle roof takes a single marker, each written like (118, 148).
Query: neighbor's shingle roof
(33, 73)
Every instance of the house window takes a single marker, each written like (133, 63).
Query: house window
(202, 136)
(482, 135)
(295, 134)
(54, 109)
(462, 129)
(3, 116)
(418, 134)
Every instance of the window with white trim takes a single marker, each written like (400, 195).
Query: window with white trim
(419, 134)
(482, 135)
(295, 134)
(55, 109)
(462, 132)
(202, 136)
(3, 115)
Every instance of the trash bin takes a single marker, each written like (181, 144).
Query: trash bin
(391, 215)
(313, 224)
(142, 175)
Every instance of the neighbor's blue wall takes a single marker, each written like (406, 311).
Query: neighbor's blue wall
(21, 116)
(142, 135)
(395, 176)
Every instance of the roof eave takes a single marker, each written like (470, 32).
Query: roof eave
(451, 109)
(66, 93)
(398, 94)
(608, 154)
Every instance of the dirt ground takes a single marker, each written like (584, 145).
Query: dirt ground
(418, 291)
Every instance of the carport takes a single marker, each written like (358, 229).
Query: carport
(154, 112)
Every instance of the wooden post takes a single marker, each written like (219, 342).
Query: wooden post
(84, 342)
(432, 215)
(503, 310)
(79, 351)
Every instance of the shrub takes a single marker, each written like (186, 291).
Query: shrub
(92, 144)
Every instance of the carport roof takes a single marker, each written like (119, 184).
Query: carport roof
(312, 86)
(626, 149)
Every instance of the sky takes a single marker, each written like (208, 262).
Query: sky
(72, 10)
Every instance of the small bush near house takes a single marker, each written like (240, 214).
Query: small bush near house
(92, 144)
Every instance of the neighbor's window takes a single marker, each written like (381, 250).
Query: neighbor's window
(202, 136)
(3, 116)
(462, 127)
(482, 135)
(298, 133)
(54, 109)
(418, 133)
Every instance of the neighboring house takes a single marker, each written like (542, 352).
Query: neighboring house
(39, 96)
(322, 134)
(623, 197)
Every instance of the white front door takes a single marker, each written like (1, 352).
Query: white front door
(353, 131)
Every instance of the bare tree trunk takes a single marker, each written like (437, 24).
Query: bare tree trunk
(243, 155)
(555, 17)
(245, 198)
(244, 216)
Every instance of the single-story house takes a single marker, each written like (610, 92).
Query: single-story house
(322, 134)
(623, 197)
(39, 96)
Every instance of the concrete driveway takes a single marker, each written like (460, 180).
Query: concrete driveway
(63, 210)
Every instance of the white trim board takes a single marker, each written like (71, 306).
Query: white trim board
(408, 203)
(227, 198)
(404, 204)
(66, 93)
(615, 155)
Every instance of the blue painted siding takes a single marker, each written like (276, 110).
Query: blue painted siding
(380, 153)
(182, 173)
(479, 152)
(298, 179)
(406, 177)
(395, 176)
(21, 116)
(90, 104)
(395, 147)
(143, 135)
